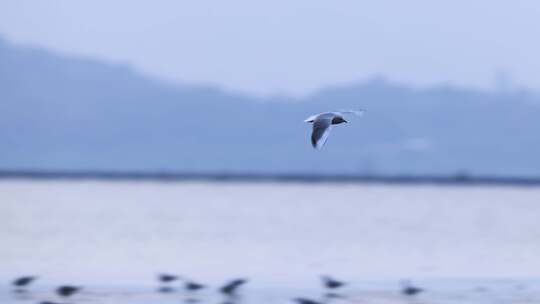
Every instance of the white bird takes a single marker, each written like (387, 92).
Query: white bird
(322, 125)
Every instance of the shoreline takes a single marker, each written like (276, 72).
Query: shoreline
(458, 179)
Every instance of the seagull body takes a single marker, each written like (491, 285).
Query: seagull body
(230, 288)
(331, 283)
(322, 125)
(67, 291)
(166, 278)
(305, 301)
(410, 290)
(193, 286)
(23, 281)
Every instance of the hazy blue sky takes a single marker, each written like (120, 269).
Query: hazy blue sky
(292, 46)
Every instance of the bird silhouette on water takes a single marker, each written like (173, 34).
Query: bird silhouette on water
(331, 283)
(306, 301)
(230, 288)
(167, 278)
(193, 286)
(410, 290)
(67, 290)
(22, 282)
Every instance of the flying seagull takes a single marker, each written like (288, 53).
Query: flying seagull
(322, 125)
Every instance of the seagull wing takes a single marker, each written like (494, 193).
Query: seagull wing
(355, 112)
(321, 131)
(311, 118)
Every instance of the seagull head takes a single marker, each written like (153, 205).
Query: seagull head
(337, 120)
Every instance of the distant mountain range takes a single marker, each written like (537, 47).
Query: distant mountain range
(60, 112)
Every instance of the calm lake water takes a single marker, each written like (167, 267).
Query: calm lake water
(464, 244)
